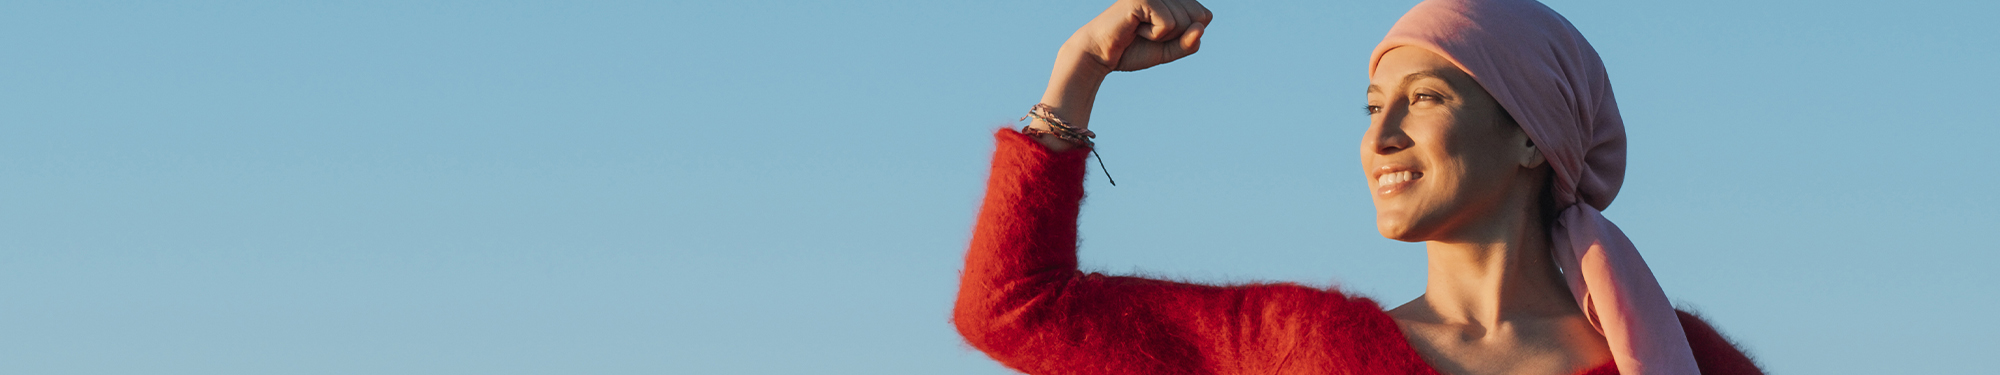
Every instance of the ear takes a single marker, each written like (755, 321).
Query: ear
(1531, 157)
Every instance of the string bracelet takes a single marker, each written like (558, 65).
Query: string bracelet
(1062, 130)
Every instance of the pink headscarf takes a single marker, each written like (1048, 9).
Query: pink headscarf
(1549, 78)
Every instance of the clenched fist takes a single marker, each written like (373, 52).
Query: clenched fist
(1138, 34)
(1130, 35)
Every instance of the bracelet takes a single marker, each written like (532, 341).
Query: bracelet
(1058, 127)
(1062, 130)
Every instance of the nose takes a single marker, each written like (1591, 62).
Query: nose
(1385, 134)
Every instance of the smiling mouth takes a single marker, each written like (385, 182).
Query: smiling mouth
(1390, 182)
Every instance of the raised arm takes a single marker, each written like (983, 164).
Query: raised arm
(1023, 300)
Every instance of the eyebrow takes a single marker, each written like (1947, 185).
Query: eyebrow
(1413, 77)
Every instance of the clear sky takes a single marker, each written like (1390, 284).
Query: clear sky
(769, 187)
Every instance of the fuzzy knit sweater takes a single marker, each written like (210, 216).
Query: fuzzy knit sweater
(1023, 301)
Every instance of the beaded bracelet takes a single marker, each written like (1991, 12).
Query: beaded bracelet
(1062, 130)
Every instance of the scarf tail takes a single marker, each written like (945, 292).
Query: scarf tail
(1619, 295)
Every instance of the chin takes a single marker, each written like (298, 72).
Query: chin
(1396, 229)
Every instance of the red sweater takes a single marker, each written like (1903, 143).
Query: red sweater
(1023, 301)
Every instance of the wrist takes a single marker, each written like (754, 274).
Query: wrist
(1082, 58)
(1073, 85)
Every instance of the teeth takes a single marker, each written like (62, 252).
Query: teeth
(1394, 178)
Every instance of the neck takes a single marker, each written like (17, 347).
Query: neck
(1504, 274)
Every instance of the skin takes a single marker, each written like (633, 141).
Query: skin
(1494, 302)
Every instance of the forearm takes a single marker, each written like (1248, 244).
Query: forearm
(1024, 245)
(1072, 90)
(1027, 222)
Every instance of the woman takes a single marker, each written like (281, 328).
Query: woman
(1494, 139)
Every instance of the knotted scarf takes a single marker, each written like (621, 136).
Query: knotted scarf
(1547, 76)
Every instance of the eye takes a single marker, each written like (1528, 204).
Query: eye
(1372, 109)
(1424, 97)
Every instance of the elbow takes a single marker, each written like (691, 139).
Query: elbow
(995, 333)
(977, 320)
(1001, 315)
(993, 322)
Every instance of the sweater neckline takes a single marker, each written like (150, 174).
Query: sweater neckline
(1410, 351)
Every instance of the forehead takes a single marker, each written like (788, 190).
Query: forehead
(1404, 65)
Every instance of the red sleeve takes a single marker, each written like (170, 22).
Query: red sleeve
(1023, 301)
(1714, 354)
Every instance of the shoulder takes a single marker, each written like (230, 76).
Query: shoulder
(1271, 303)
(1343, 322)
(1294, 297)
(1713, 352)
(1326, 328)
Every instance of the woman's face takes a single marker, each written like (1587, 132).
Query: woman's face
(1443, 161)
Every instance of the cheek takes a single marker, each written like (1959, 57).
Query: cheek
(1459, 172)
(1452, 182)
(1478, 153)
(1483, 162)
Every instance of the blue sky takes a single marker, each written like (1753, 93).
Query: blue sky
(768, 187)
